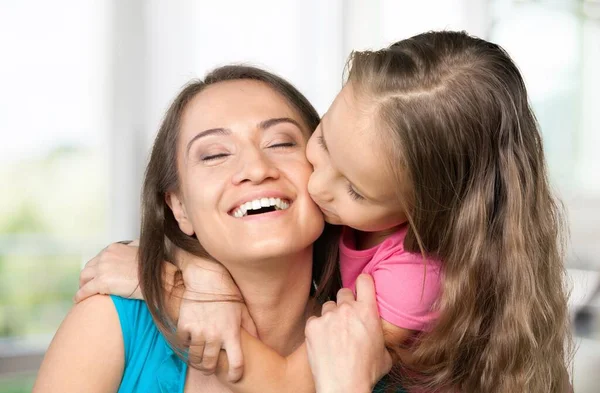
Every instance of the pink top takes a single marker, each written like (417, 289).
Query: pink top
(407, 285)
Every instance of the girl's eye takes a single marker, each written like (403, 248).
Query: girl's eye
(214, 157)
(353, 194)
(282, 145)
(321, 142)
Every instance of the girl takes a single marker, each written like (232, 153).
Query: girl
(431, 159)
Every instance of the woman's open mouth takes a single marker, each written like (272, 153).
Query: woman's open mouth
(260, 206)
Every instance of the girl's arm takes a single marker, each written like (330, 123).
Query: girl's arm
(114, 271)
(86, 354)
(210, 311)
(345, 351)
(267, 371)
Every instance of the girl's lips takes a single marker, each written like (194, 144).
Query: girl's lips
(326, 211)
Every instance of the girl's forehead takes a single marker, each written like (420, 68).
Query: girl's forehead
(355, 148)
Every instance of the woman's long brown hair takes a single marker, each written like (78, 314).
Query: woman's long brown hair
(454, 112)
(159, 229)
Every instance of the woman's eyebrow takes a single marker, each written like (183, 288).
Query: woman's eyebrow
(263, 125)
(212, 131)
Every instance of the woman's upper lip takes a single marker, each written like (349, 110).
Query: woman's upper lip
(258, 194)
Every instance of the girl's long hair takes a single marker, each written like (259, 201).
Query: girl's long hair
(453, 112)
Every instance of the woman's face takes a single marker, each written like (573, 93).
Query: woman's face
(243, 174)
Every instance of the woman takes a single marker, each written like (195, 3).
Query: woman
(111, 344)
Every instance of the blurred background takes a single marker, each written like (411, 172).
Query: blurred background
(84, 84)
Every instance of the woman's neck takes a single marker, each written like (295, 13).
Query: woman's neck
(277, 295)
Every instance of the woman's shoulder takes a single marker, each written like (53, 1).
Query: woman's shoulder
(89, 332)
(130, 312)
(94, 309)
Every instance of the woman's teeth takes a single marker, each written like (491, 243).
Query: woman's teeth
(268, 204)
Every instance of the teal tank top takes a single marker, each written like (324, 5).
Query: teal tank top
(151, 366)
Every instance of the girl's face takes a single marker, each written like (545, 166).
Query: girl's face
(351, 182)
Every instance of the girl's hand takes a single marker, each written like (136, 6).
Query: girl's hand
(114, 271)
(346, 349)
(211, 316)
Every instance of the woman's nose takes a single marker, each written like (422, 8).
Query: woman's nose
(255, 167)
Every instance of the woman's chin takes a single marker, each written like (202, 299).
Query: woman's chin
(262, 249)
(264, 253)
(252, 241)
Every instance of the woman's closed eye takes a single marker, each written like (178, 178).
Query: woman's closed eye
(281, 145)
(282, 140)
(212, 157)
(207, 157)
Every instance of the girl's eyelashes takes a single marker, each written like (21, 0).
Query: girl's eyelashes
(321, 142)
(353, 194)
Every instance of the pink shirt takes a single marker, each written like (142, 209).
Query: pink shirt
(407, 286)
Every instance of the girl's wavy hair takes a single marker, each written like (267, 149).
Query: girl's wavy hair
(159, 229)
(453, 112)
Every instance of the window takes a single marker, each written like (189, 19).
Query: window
(54, 168)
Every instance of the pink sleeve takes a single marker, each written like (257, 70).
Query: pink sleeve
(407, 290)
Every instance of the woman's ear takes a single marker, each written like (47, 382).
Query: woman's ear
(178, 208)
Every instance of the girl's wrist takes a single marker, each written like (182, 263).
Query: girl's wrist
(191, 268)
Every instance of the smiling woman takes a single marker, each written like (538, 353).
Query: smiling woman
(229, 145)
(252, 149)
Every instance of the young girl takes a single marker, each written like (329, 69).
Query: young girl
(431, 159)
